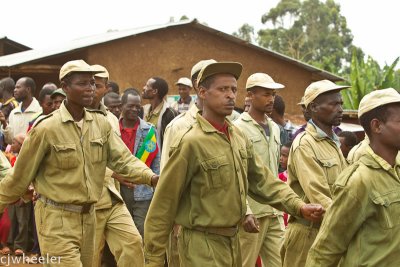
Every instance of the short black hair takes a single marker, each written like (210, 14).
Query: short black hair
(279, 105)
(114, 86)
(29, 82)
(42, 94)
(380, 113)
(161, 85)
(288, 144)
(110, 95)
(206, 83)
(8, 84)
(127, 92)
(350, 138)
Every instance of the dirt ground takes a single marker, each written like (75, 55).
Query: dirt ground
(7, 261)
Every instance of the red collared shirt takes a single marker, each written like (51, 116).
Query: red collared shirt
(128, 135)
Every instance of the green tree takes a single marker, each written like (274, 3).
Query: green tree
(245, 32)
(312, 31)
(366, 76)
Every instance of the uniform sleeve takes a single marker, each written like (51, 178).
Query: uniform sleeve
(4, 165)
(311, 176)
(163, 208)
(16, 182)
(265, 188)
(338, 229)
(121, 161)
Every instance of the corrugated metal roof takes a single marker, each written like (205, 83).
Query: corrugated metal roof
(40, 54)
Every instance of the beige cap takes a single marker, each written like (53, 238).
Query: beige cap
(184, 81)
(199, 65)
(262, 80)
(103, 71)
(58, 91)
(376, 99)
(76, 66)
(233, 68)
(301, 103)
(317, 88)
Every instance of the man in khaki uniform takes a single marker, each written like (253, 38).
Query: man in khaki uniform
(315, 161)
(362, 227)
(358, 150)
(265, 136)
(204, 183)
(113, 221)
(65, 156)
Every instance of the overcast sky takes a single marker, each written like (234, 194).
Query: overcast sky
(45, 23)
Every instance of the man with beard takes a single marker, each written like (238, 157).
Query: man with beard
(315, 161)
(206, 180)
(263, 227)
(21, 116)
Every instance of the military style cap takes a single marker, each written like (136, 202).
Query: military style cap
(58, 91)
(376, 99)
(76, 66)
(301, 103)
(233, 68)
(199, 65)
(262, 80)
(320, 87)
(184, 81)
(103, 71)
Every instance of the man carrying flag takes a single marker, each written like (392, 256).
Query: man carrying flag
(141, 139)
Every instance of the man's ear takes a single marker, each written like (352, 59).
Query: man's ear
(64, 86)
(313, 107)
(250, 94)
(201, 92)
(376, 126)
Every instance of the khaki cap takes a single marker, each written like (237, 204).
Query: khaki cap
(76, 66)
(301, 103)
(199, 65)
(376, 99)
(233, 68)
(317, 88)
(262, 80)
(58, 91)
(184, 81)
(103, 71)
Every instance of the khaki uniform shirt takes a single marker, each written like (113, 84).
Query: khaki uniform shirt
(268, 148)
(205, 184)
(358, 150)
(4, 165)
(315, 162)
(181, 123)
(18, 121)
(109, 186)
(67, 165)
(362, 227)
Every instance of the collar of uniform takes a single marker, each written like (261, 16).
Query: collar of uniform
(318, 134)
(377, 162)
(33, 107)
(207, 127)
(66, 116)
(193, 110)
(246, 117)
(158, 108)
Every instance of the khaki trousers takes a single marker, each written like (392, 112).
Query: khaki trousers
(66, 235)
(116, 226)
(267, 243)
(199, 249)
(297, 243)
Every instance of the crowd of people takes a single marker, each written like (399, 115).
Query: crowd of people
(91, 175)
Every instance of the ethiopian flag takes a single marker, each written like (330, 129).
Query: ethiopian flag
(149, 149)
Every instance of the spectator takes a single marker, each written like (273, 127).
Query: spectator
(286, 127)
(7, 86)
(185, 101)
(347, 141)
(284, 175)
(58, 97)
(112, 101)
(113, 87)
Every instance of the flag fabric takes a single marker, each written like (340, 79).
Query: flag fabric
(149, 149)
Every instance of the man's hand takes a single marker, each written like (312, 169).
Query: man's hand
(122, 180)
(312, 212)
(154, 180)
(250, 224)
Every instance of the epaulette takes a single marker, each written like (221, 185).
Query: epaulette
(40, 119)
(178, 138)
(96, 111)
(297, 140)
(345, 175)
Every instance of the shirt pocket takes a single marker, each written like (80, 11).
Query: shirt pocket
(388, 206)
(330, 167)
(66, 156)
(97, 149)
(217, 169)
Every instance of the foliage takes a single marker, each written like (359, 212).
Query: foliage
(311, 31)
(245, 32)
(366, 76)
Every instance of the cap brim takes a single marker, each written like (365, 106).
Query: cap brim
(233, 68)
(272, 86)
